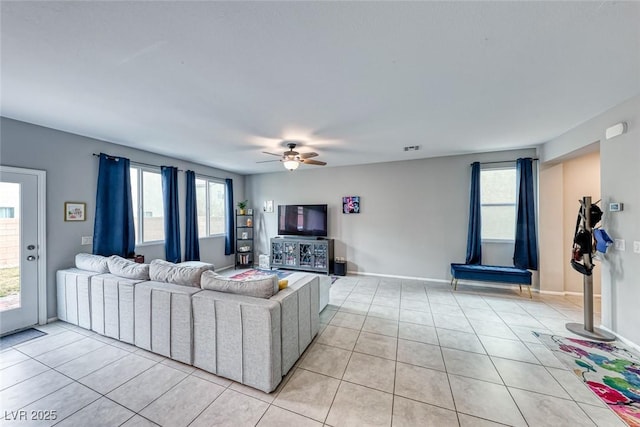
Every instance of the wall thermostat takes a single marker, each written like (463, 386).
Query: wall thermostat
(615, 207)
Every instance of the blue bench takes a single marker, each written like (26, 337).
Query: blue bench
(490, 273)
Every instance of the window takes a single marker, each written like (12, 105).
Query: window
(148, 213)
(211, 213)
(7, 212)
(498, 203)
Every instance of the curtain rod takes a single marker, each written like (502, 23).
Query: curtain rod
(133, 162)
(502, 161)
(156, 166)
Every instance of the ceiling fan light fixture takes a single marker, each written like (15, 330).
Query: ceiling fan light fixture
(291, 164)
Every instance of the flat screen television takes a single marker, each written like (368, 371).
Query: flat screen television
(302, 220)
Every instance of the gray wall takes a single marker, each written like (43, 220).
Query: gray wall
(413, 219)
(619, 179)
(72, 173)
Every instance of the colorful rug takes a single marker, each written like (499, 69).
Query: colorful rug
(259, 272)
(255, 273)
(612, 372)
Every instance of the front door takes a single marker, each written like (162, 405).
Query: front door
(18, 249)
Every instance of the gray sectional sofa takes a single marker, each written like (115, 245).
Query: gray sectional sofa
(232, 333)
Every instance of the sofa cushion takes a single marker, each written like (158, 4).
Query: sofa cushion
(208, 265)
(264, 287)
(89, 262)
(129, 269)
(179, 274)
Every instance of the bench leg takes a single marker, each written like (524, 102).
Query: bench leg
(530, 296)
(452, 279)
(520, 288)
(455, 285)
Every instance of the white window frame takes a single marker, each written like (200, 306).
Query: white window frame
(514, 204)
(207, 206)
(139, 227)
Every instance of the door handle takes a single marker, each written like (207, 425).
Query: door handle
(31, 258)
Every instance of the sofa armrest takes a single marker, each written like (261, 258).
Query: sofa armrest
(299, 303)
(238, 337)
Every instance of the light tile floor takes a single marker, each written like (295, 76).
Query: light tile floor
(390, 352)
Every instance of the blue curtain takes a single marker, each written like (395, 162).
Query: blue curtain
(171, 213)
(113, 229)
(191, 242)
(228, 208)
(474, 237)
(525, 254)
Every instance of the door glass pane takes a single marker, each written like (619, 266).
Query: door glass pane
(9, 246)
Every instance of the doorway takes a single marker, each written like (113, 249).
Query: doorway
(22, 248)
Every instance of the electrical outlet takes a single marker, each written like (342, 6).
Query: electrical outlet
(636, 247)
(87, 240)
(618, 244)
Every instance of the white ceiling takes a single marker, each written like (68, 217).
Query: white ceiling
(219, 82)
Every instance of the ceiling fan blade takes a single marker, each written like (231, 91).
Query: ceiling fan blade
(268, 161)
(272, 154)
(308, 155)
(313, 162)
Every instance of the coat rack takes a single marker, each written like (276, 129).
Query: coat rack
(587, 329)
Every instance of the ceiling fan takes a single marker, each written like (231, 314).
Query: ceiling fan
(292, 159)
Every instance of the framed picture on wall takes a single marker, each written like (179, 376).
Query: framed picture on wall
(351, 204)
(268, 206)
(75, 211)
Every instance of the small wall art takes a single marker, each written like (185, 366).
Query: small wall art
(351, 204)
(75, 211)
(268, 206)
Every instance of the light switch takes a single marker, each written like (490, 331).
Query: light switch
(636, 247)
(618, 244)
(87, 240)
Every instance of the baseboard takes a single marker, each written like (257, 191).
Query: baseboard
(466, 282)
(558, 293)
(566, 293)
(626, 341)
(395, 276)
(52, 319)
(429, 279)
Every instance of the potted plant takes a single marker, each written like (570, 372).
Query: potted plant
(242, 206)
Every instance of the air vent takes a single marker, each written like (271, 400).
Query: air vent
(412, 148)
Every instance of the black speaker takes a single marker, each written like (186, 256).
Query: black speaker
(340, 268)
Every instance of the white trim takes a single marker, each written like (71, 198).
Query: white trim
(41, 177)
(428, 279)
(394, 276)
(559, 293)
(626, 341)
(52, 319)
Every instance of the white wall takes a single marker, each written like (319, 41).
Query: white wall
(414, 213)
(72, 174)
(620, 181)
(581, 177)
(554, 255)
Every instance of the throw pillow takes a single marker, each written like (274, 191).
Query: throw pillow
(283, 284)
(264, 287)
(128, 269)
(89, 262)
(179, 274)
